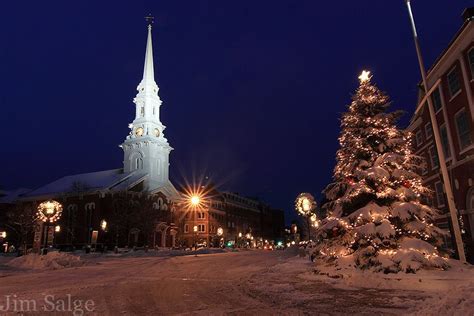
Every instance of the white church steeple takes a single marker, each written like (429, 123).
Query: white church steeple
(145, 148)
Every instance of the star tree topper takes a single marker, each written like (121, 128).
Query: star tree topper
(365, 76)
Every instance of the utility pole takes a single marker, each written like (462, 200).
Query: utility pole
(439, 147)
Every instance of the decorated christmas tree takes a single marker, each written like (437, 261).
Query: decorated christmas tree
(376, 216)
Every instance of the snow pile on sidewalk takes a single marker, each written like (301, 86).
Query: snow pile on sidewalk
(51, 261)
(459, 301)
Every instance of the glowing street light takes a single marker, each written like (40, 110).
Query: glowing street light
(3, 235)
(220, 231)
(103, 224)
(195, 200)
(240, 235)
(57, 228)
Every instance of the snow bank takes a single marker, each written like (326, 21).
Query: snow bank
(459, 301)
(51, 261)
(346, 275)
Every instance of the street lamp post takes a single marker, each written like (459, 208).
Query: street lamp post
(48, 212)
(195, 230)
(439, 148)
(220, 232)
(305, 205)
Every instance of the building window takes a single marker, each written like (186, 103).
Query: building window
(445, 141)
(439, 194)
(419, 138)
(471, 61)
(201, 215)
(428, 131)
(434, 158)
(454, 83)
(201, 228)
(424, 165)
(186, 228)
(462, 126)
(142, 111)
(139, 163)
(436, 98)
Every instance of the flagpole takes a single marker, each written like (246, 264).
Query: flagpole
(439, 148)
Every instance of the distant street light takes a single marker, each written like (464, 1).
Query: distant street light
(3, 235)
(220, 231)
(103, 224)
(57, 228)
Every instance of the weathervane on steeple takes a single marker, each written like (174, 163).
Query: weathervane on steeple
(149, 20)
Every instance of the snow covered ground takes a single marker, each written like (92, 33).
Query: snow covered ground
(236, 283)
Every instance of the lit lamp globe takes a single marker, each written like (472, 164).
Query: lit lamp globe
(220, 231)
(103, 224)
(3, 235)
(195, 229)
(195, 200)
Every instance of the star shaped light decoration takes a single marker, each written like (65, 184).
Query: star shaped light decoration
(365, 76)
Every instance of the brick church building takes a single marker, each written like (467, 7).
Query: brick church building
(137, 204)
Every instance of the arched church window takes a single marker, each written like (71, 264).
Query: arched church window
(160, 203)
(139, 163)
(89, 206)
(142, 111)
(153, 110)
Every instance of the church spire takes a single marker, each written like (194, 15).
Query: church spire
(148, 72)
(146, 148)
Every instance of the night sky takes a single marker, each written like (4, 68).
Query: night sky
(252, 90)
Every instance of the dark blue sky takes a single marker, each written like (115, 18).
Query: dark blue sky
(252, 90)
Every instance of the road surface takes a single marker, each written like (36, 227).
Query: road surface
(233, 283)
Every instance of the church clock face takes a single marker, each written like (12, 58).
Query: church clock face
(157, 132)
(139, 131)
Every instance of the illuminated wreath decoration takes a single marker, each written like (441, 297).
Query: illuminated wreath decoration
(305, 204)
(49, 211)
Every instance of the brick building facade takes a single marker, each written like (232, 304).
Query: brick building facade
(451, 82)
(233, 216)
